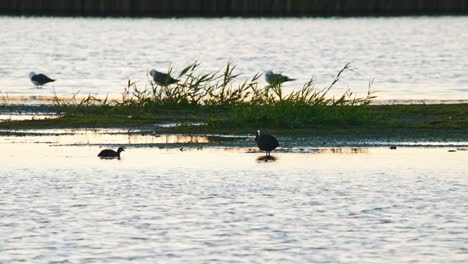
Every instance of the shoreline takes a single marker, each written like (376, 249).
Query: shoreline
(427, 121)
(46, 101)
(289, 142)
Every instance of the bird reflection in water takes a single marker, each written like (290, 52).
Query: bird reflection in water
(263, 158)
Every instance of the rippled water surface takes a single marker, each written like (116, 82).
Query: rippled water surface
(60, 203)
(409, 57)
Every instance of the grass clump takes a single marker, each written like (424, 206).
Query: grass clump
(226, 102)
(306, 107)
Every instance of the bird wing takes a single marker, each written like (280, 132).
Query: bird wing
(283, 78)
(107, 153)
(41, 78)
(163, 78)
(276, 78)
(160, 75)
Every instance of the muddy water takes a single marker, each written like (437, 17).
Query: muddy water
(60, 203)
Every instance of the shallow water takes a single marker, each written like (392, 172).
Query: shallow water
(409, 57)
(151, 137)
(60, 203)
(6, 117)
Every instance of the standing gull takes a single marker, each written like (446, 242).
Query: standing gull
(39, 79)
(162, 79)
(276, 78)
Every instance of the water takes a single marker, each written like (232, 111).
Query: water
(5, 117)
(409, 57)
(199, 199)
(60, 203)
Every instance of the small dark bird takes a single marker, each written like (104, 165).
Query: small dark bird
(266, 142)
(110, 154)
(162, 79)
(39, 79)
(276, 78)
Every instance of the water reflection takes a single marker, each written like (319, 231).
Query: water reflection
(99, 136)
(22, 117)
(132, 139)
(173, 124)
(344, 150)
(237, 143)
(263, 158)
(315, 150)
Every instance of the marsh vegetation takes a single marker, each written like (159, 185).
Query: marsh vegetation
(230, 102)
(227, 103)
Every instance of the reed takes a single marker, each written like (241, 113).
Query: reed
(5, 100)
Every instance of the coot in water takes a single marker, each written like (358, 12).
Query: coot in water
(110, 154)
(266, 142)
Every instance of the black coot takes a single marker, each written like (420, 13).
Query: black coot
(110, 154)
(266, 142)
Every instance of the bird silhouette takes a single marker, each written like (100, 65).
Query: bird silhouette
(266, 142)
(276, 78)
(162, 79)
(39, 79)
(110, 154)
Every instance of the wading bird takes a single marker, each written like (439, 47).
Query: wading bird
(266, 142)
(162, 79)
(39, 79)
(276, 78)
(110, 154)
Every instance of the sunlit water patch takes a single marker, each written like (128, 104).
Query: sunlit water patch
(172, 124)
(119, 137)
(63, 204)
(153, 138)
(5, 117)
(409, 57)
